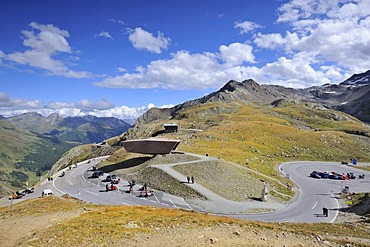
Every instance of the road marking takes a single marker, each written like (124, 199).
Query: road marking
(82, 175)
(92, 193)
(337, 211)
(165, 204)
(157, 199)
(70, 182)
(172, 203)
(314, 205)
(188, 205)
(289, 220)
(126, 204)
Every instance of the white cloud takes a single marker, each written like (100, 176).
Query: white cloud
(5, 101)
(118, 21)
(104, 108)
(120, 69)
(246, 26)
(105, 35)
(100, 105)
(237, 53)
(45, 42)
(188, 71)
(143, 40)
(331, 31)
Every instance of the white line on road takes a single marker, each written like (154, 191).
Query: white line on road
(172, 203)
(291, 220)
(92, 193)
(126, 204)
(157, 199)
(314, 205)
(337, 211)
(188, 206)
(70, 182)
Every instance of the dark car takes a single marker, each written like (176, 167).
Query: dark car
(97, 174)
(324, 174)
(110, 178)
(334, 175)
(315, 174)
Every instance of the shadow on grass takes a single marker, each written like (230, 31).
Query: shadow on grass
(125, 164)
(359, 205)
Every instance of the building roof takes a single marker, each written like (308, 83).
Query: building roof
(151, 145)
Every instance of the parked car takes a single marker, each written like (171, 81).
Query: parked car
(47, 192)
(334, 175)
(315, 174)
(110, 178)
(97, 174)
(324, 174)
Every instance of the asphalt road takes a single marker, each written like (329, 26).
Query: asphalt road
(78, 183)
(312, 194)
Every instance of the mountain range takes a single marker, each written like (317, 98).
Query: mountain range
(33, 143)
(351, 96)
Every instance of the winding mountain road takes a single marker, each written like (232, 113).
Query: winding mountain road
(311, 194)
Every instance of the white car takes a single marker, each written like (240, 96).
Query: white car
(47, 192)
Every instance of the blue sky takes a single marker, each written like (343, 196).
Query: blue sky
(119, 58)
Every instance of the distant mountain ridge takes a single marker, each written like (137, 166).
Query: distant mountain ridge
(33, 143)
(351, 96)
(86, 129)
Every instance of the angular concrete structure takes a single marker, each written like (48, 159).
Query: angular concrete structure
(151, 146)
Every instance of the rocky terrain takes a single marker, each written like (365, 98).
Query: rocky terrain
(351, 96)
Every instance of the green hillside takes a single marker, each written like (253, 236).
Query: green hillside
(24, 155)
(261, 136)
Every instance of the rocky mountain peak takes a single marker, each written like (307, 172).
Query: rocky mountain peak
(358, 79)
(54, 118)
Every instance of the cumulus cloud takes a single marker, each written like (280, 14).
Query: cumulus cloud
(185, 70)
(44, 43)
(246, 26)
(104, 108)
(100, 105)
(334, 32)
(105, 35)
(144, 40)
(237, 53)
(325, 42)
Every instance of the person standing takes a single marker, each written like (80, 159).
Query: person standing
(188, 178)
(325, 212)
(192, 179)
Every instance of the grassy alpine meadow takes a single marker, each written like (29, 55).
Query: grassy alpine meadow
(69, 222)
(260, 137)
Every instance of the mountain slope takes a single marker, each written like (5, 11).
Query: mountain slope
(261, 136)
(33, 143)
(351, 96)
(87, 129)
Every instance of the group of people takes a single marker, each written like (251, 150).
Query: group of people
(190, 179)
(110, 186)
(146, 193)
